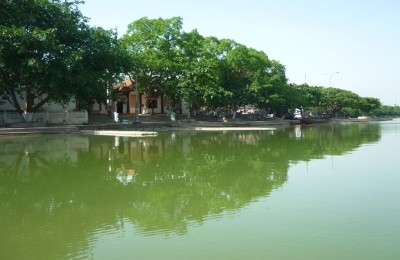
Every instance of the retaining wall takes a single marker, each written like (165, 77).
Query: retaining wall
(58, 118)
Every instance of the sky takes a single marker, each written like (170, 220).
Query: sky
(347, 44)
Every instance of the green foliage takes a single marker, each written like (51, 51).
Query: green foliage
(368, 104)
(334, 99)
(245, 73)
(386, 111)
(201, 81)
(201, 71)
(49, 53)
(153, 45)
(310, 97)
(350, 112)
(275, 90)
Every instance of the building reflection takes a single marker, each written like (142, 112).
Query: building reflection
(75, 185)
(30, 156)
(175, 154)
(122, 146)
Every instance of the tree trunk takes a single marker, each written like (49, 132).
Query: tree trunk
(15, 103)
(234, 111)
(30, 101)
(31, 107)
(234, 115)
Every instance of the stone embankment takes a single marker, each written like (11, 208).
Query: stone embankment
(148, 125)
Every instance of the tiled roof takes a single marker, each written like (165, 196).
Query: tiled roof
(124, 86)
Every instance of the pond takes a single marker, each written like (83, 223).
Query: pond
(300, 192)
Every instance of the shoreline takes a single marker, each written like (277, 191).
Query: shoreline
(152, 128)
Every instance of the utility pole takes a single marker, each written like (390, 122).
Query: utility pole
(137, 119)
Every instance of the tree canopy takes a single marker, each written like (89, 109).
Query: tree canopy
(49, 53)
(200, 70)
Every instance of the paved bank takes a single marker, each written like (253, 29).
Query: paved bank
(151, 128)
(119, 133)
(39, 130)
(234, 128)
(133, 129)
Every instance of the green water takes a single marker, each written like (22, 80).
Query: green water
(315, 192)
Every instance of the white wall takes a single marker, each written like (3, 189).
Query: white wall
(5, 105)
(70, 118)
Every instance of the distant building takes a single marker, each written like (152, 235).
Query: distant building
(152, 103)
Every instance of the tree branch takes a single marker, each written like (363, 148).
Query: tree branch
(15, 102)
(41, 103)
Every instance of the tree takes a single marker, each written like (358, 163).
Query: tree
(245, 73)
(202, 71)
(310, 98)
(278, 93)
(49, 53)
(391, 111)
(153, 46)
(334, 100)
(102, 62)
(200, 82)
(368, 104)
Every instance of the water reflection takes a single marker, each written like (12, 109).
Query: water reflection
(58, 191)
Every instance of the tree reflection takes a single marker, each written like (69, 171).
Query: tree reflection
(68, 187)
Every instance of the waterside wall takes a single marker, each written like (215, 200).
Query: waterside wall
(59, 118)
